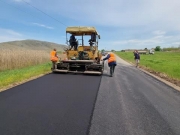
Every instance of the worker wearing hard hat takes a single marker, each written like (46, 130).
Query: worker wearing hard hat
(111, 62)
(54, 58)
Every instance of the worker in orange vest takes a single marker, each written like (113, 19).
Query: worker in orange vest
(111, 62)
(54, 58)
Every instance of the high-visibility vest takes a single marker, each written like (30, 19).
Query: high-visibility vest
(112, 58)
(53, 56)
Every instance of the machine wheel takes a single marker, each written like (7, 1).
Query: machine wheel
(53, 72)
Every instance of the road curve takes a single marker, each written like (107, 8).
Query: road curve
(55, 104)
(134, 103)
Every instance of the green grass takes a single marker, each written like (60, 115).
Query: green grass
(164, 62)
(14, 76)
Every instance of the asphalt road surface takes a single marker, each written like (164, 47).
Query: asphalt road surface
(129, 103)
(56, 104)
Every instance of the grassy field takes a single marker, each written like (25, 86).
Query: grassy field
(18, 75)
(164, 62)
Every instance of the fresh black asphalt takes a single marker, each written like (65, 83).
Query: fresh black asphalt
(55, 104)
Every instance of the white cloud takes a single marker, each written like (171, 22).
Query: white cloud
(159, 32)
(176, 43)
(9, 35)
(163, 41)
(155, 13)
(11, 32)
(138, 42)
(42, 25)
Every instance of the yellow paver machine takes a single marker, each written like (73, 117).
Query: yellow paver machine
(81, 58)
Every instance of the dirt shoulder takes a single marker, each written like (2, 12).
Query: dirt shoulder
(175, 83)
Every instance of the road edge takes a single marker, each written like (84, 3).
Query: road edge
(162, 80)
(157, 77)
(22, 82)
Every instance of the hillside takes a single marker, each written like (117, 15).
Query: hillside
(31, 45)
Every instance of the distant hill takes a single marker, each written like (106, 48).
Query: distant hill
(32, 45)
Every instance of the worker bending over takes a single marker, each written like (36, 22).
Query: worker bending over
(111, 62)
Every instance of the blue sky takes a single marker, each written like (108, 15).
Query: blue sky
(122, 24)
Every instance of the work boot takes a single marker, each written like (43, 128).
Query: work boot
(111, 74)
(111, 71)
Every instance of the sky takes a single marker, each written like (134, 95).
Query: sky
(122, 24)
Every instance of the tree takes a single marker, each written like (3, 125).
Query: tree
(102, 50)
(158, 48)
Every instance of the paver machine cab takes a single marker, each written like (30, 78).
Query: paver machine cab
(81, 58)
